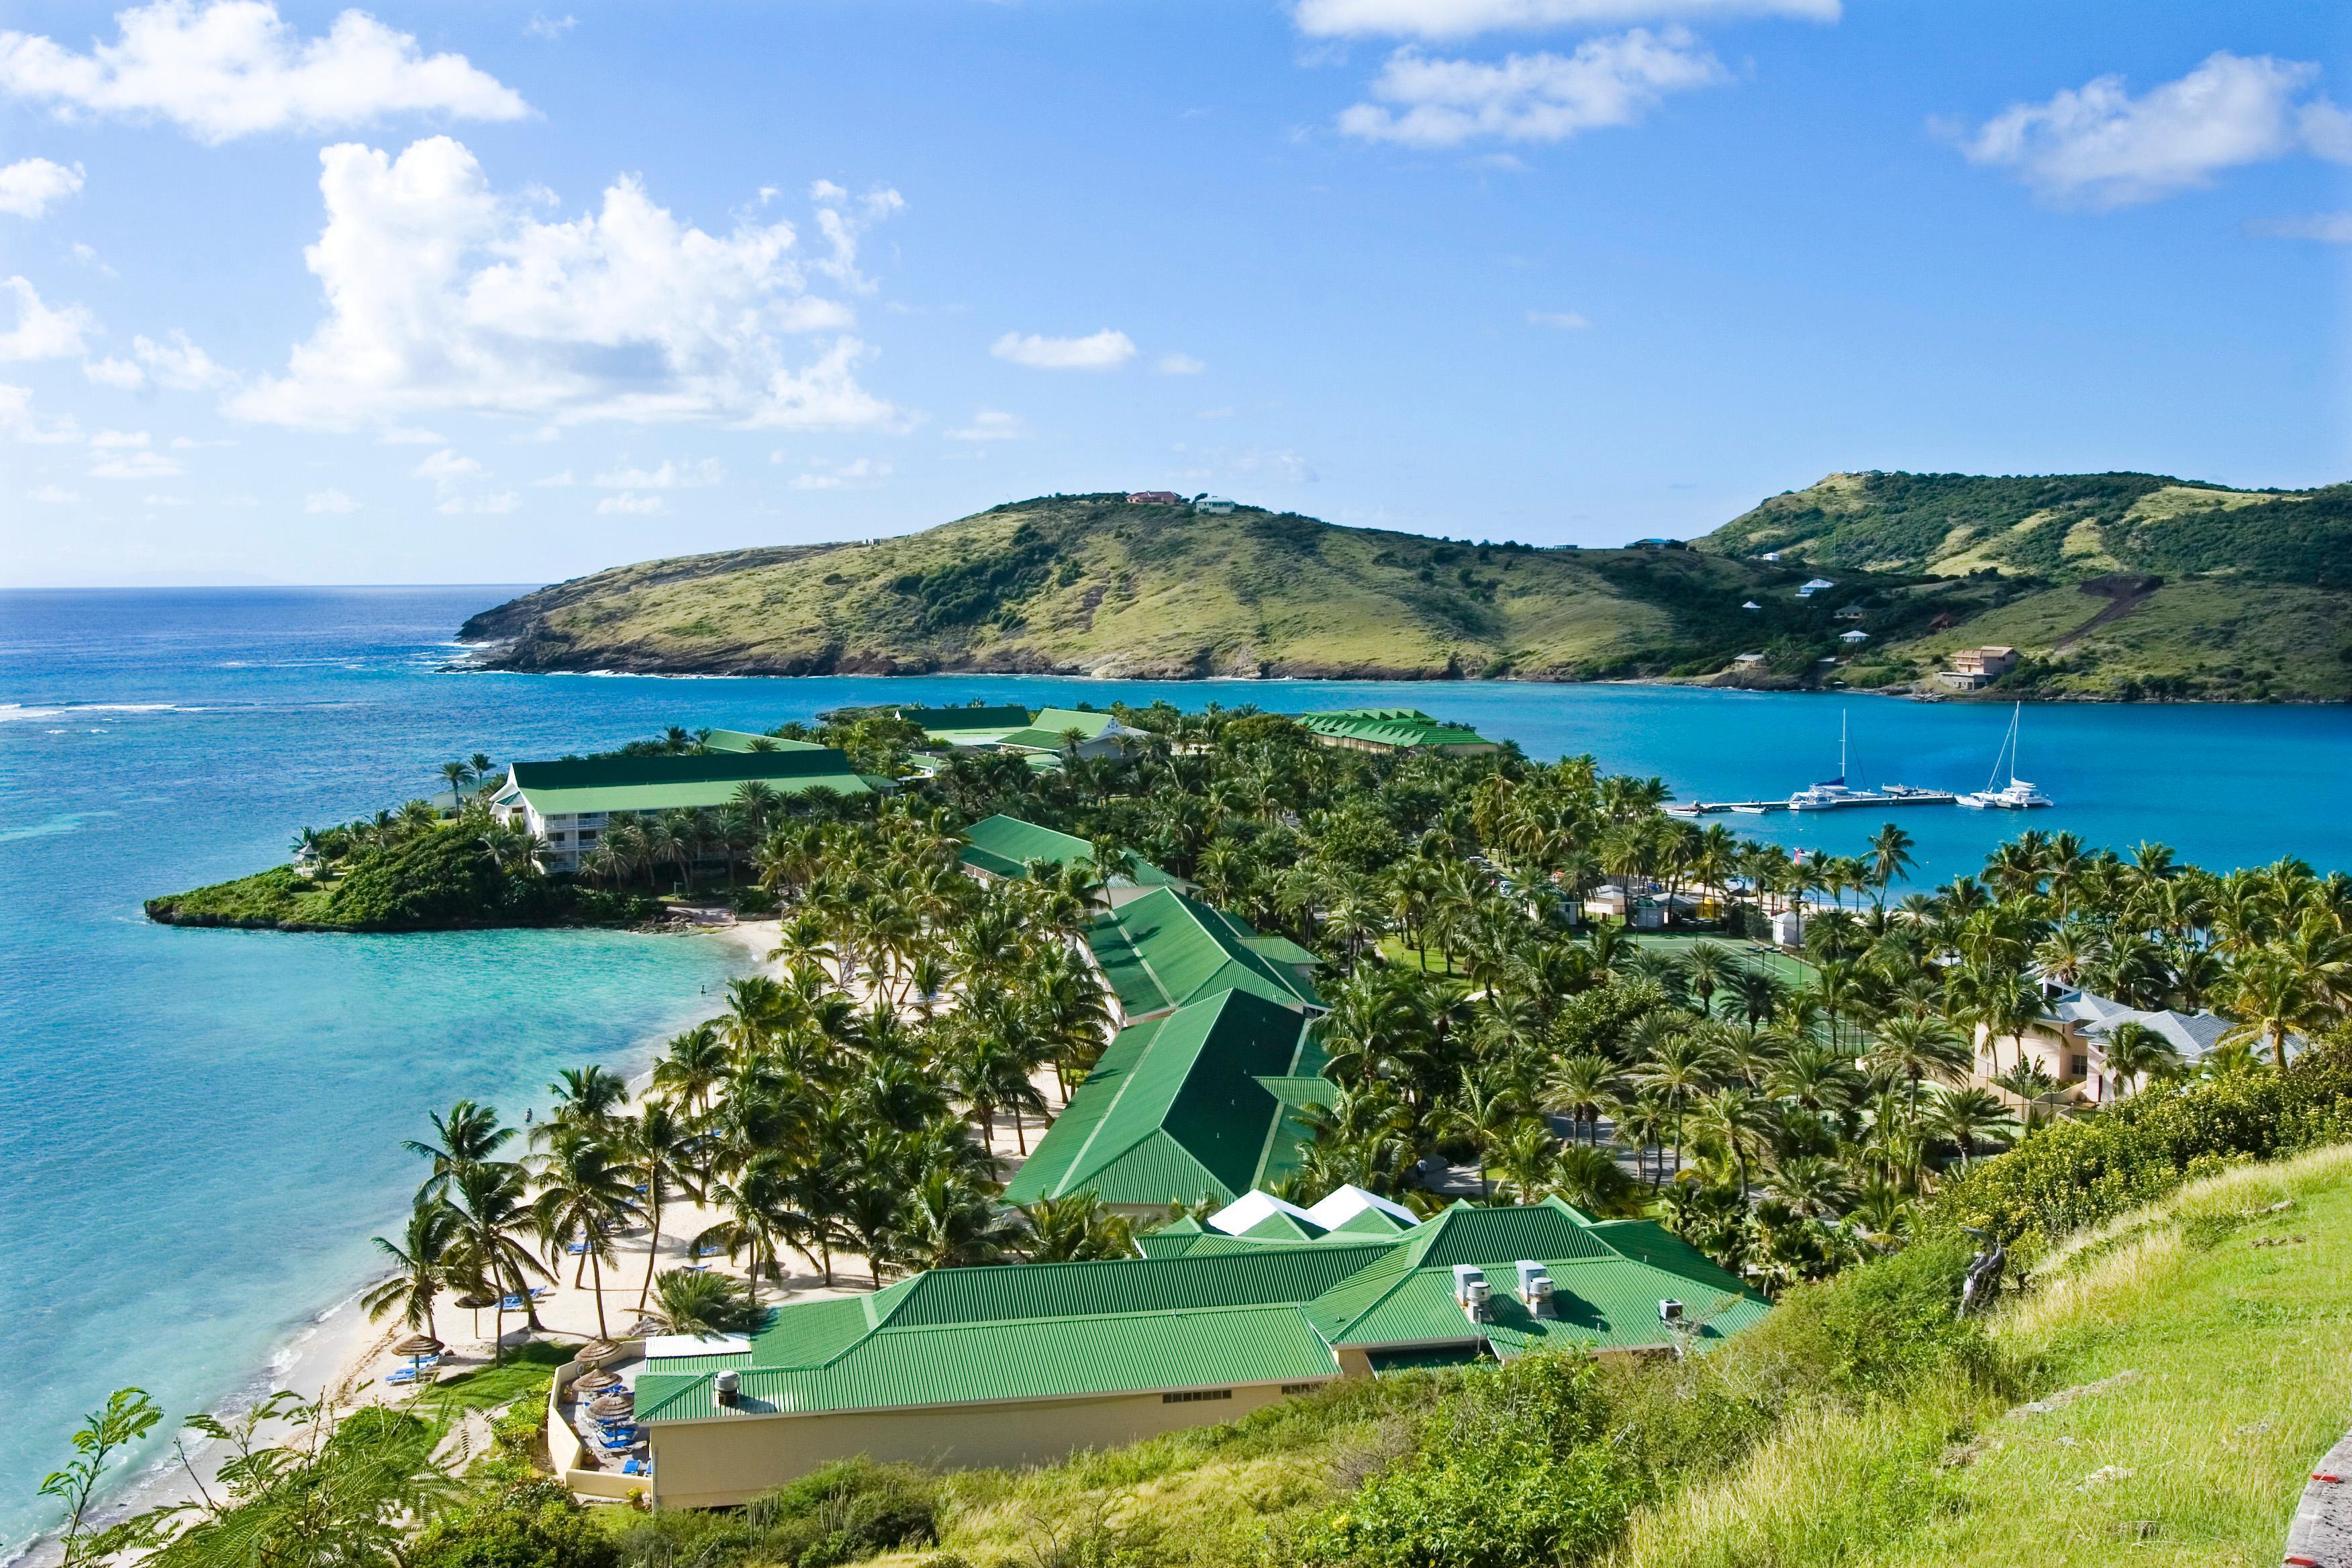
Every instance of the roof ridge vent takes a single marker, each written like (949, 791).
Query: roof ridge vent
(1472, 1291)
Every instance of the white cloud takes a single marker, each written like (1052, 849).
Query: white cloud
(166, 501)
(115, 373)
(1462, 18)
(446, 467)
(626, 505)
(110, 439)
(857, 475)
(41, 332)
(1287, 466)
(136, 465)
(1106, 350)
(992, 424)
(543, 26)
(444, 295)
(410, 436)
(544, 434)
(17, 418)
(179, 365)
(322, 502)
(2099, 146)
(554, 481)
(190, 444)
(1565, 320)
(1427, 102)
(497, 505)
(234, 67)
(842, 223)
(1181, 364)
(27, 188)
(2328, 228)
(52, 495)
(668, 477)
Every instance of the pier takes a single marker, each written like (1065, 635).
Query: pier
(1849, 801)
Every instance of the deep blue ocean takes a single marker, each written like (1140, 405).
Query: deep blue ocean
(201, 1129)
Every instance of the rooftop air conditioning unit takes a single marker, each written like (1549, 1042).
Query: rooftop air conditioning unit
(727, 1385)
(1470, 1291)
(1535, 1286)
(1670, 1311)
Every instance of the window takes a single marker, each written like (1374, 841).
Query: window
(587, 835)
(1193, 1396)
(1291, 1388)
(2082, 1067)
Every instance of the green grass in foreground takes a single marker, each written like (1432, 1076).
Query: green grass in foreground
(2230, 1364)
(526, 1372)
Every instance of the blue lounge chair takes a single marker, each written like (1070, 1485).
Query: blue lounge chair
(406, 1374)
(511, 1304)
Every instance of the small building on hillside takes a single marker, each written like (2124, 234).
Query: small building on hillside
(570, 804)
(1393, 730)
(1216, 506)
(1164, 951)
(1024, 1363)
(1974, 667)
(1200, 1103)
(1006, 846)
(1814, 586)
(1853, 638)
(1155, 498)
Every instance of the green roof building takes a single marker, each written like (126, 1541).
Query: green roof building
(1164, 951)
(965, 726)
(1005, 845)
(1394, 730)
(569, 803)
(1202, 1102)
(1099, 734)
(1024, 1363)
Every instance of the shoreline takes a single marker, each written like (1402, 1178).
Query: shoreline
(335, 1345)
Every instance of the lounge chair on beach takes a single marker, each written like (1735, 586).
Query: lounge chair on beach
(511, 1304)
(406, 1374)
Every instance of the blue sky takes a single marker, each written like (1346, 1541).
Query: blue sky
(492, 293)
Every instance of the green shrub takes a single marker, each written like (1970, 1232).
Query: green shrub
(1878, 1329)
(530, 1526)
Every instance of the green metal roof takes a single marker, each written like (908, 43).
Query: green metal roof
(745, 741)
(1005, 844)
(1207, 1310)
(1404, 729)
(1180, 1108)
(1164, 950)
(662, 784)
(943, 721)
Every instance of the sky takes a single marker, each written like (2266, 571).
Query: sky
(495, 293)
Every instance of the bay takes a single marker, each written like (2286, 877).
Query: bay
(203, 1127)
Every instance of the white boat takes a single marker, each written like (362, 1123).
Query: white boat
(2017, 794)
(1748, 810)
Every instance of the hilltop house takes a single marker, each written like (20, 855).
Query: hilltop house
(1978, 667)
(1022, 1363)
(1005, 845)
(1155, 498)
(1201, 1102)
(1814, 586)
(1393, 730)
(569, 803)
(1853, 638)
(1216, 506)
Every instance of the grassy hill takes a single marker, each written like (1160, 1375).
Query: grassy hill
(1090, 585)
(2116, 586)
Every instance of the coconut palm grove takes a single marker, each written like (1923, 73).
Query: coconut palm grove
(1821, 1116)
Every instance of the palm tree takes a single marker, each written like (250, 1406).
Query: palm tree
(471, 1138)
(2273, 997)
(421, 1260)
(459, 777)
(659, 1148)
(702, 1305)
(1966, 1117)
(1589, 1179)
(1741, 1120)
(1475, 1114)
(758, 1218)
(2132, 1050)
(1587, 1088)
(1916, 1047)
(584, 1195)
(489, 1199)
(586, 1100)
(1074, 1230)
(693, 1067)
(950, 1222)
(1890, 857)
(1680, 1066)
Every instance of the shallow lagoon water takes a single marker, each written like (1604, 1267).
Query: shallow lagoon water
(202, 1128)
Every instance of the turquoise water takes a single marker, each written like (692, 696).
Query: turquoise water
(203, 1127)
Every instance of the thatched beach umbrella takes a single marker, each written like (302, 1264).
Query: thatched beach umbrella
(609, 1405)
(474, 1304)
(596, 1352)
(596, 1382)
(646, 1328)
(416, 1347)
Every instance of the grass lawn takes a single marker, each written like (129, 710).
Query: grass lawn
(526, 1371)
(1793, 970)
(2191, 1363)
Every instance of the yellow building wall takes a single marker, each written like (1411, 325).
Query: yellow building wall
(713, 1464)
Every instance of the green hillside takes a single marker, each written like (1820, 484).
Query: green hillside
(1091, 585)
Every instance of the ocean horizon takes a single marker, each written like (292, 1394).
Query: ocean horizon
(206, 1124)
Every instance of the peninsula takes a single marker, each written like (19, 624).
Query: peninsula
(2116, 587)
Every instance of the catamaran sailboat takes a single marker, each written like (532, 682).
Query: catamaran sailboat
(1831, 793)
(2017, 794)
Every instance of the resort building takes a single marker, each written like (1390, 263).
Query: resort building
(2068, 1042)
(1164, 951)
(1006, 846)
(1394, 730)
(1200, 1103)
(569, 803)
(965, 726)
(1024, 1363)
(745, 741)
(1099, 734)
